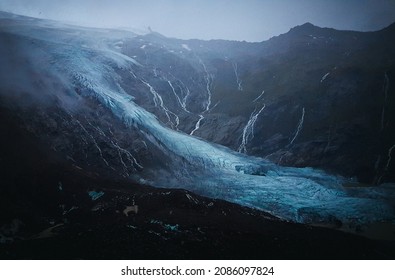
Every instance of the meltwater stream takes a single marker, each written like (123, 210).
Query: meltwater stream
(300, 194)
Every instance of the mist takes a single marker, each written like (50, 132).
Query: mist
(249, 20)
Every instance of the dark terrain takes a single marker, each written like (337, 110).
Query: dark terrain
(46, 213)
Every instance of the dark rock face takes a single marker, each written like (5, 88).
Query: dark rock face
(341, 80)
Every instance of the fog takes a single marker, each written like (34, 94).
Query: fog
(250, 20)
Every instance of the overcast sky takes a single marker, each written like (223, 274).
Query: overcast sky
(250, 20)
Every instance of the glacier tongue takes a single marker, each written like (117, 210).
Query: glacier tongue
(94, 78)
(302, 195)
(298, 194)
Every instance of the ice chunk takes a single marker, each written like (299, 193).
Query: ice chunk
(95, 195)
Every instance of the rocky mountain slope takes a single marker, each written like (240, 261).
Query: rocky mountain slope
(313, 96)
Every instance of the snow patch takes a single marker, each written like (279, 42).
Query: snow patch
(95, 195)
(324, 77)
(185, 46)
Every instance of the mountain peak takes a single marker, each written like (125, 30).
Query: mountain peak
(389, 28)
(306, 27)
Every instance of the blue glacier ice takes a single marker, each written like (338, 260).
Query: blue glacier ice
(95, 195)
(299, 194)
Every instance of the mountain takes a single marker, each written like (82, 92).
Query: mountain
(115, 133)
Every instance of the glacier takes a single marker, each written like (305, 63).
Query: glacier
(304, 195)
(298, 194)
